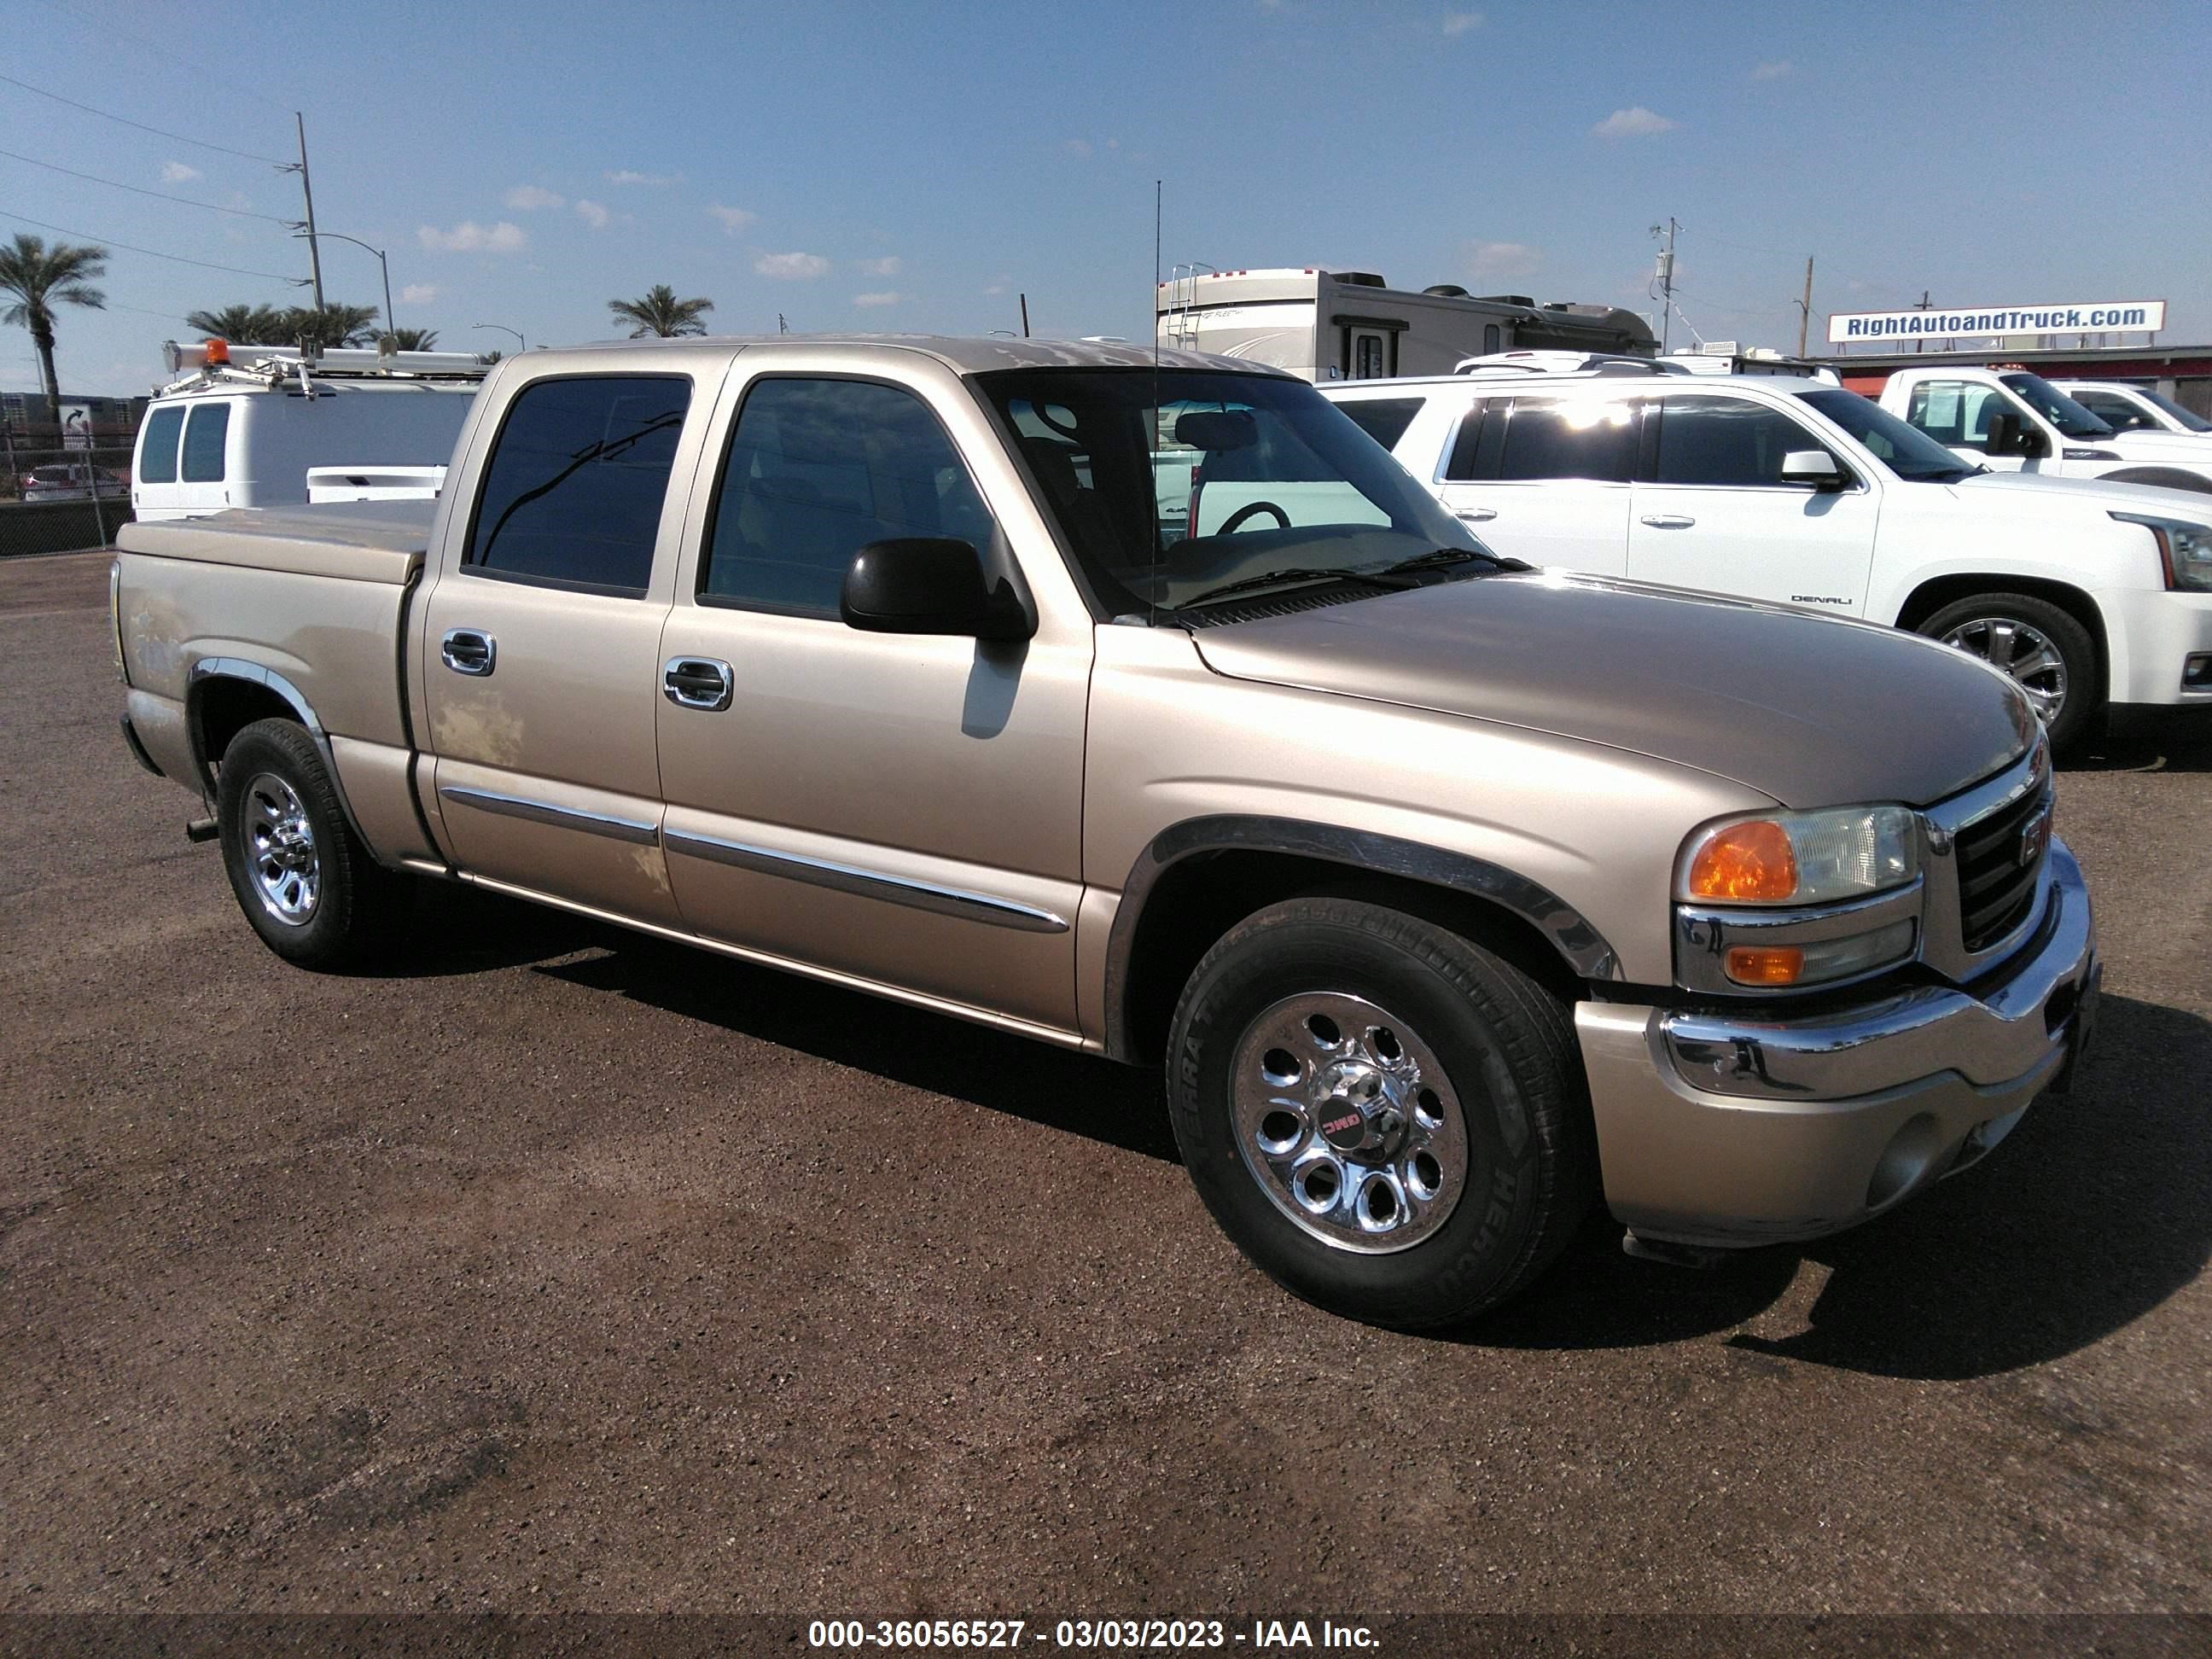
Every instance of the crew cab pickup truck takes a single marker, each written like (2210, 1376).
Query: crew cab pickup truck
(2011, 421)
(2126, 408)
(1449, 894)
(2090, 594)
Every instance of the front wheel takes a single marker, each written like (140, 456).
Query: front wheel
(2044, 649)
(1388, 1120)
(307, 883)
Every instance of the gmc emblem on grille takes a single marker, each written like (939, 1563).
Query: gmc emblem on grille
(2034, 839)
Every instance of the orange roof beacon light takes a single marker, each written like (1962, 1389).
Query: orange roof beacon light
(218, 351)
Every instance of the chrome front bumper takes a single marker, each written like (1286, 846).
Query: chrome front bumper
(1719, 1130)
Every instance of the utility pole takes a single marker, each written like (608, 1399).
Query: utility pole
(1666, 277)
(306, 190)
(1921, 344)
(1805, 309)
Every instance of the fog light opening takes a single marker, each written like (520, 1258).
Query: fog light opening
(1905, 1161)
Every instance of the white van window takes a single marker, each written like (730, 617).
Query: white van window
(204, 437)
(157, 450)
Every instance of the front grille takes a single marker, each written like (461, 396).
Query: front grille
(1996, 890)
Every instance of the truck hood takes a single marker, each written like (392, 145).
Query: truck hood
(2186, 447)
(2038, 493)
(1812, 711)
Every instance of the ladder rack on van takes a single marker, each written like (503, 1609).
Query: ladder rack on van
(214, 362)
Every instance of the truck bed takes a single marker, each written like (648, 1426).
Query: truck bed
(353, 541)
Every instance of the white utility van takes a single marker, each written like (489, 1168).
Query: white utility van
(2083, 591)
(245, 425)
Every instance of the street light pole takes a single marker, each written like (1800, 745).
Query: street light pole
(504, 329)
(383, 265)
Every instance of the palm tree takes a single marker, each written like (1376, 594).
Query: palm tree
(413, 339)
(335, 325)
(39, 276)
(242, 325)
(661, 313)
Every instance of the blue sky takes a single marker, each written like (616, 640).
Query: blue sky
(878, 167)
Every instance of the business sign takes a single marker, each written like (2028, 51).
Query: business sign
(2103, 316)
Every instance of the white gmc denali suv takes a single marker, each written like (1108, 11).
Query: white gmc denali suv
(2086, 592)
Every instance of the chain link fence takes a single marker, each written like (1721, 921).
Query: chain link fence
(64, 484)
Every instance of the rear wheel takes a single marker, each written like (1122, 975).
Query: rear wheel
(2040, 646)
(304, 880)
(1388, 1120)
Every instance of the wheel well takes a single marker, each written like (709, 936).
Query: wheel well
(1932, 595)
(223, 707)
(1198, 899)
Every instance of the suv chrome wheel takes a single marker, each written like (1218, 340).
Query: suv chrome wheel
(280, 850)
(2021, 650)
(1345, 1119)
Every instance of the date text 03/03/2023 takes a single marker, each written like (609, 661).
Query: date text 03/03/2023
(1262, 1636)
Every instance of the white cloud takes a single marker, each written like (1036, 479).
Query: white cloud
(1502, 258)
(1078, 147)
(884, 267)
(791, 267)
(470, 237)
(592, 214)
(626, 176)
(876, 299)
(1635, 122)
(1459, 22)
(534, 196)
(176, 173)
(1772, 72)
(999, 285)
(734, 220)
(419, 293)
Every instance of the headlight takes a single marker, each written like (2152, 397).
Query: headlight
(1800, 858)
(2183, 548)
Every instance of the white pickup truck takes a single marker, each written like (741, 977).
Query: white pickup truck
(1777, 488)
(2126, 408)
(2011, 421)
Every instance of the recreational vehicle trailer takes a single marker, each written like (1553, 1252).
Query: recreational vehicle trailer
(1352, 325)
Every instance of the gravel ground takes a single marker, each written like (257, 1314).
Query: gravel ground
(572, 1271)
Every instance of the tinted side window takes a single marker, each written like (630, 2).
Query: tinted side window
(2115, 412)
(573, 489)
(1721, 441)
(203, 442)
(157, 450)
(1579, 438)
(818, 468)
(1383, 419)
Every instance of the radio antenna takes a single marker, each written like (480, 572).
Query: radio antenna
(1153, 597)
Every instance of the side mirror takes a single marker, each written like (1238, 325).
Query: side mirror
(930, 585)
(1815, 467)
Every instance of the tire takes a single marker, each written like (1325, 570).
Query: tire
(1977, 624)
(1507, 1077)
(304, 880)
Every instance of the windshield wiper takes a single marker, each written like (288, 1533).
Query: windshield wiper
(1440, 558)
(1299, 574)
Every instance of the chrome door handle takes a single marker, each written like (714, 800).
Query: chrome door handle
(697, 682)
(468, 651)
(1476, 515)
(1668, 521)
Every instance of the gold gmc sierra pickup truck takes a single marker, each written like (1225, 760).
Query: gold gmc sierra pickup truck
(1449, 894)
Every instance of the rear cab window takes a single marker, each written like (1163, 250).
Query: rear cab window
(206, 435)
(157, 445)
(573, 492)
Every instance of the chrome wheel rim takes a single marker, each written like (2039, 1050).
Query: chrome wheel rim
(280, 850)
(1344, 1117)
(2021, 650)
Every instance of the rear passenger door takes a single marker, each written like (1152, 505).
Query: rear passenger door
(1546, 478)
(1716, 514)
(204, 467)
(541, 662)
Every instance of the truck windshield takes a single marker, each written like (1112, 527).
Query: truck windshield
(1906, 450)
(2189, 419)
(2056, 407)
(1173, 484)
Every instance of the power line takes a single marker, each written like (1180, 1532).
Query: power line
(139, 190)
(159, 132)
(155, 253)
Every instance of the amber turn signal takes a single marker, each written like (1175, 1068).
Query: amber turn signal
(1746, 862)
(1765, 964)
